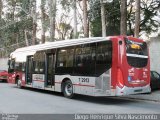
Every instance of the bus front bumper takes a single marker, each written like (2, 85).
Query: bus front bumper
(135, 90)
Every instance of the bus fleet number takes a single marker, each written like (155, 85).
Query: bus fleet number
(84, 80)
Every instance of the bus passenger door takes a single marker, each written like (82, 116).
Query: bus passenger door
(29, 70)
(50, 70)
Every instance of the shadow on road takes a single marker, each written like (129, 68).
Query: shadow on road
(3, 81)
(104, 100)
(40, 91)
(83, 98)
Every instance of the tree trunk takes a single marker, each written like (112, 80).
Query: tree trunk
(1, 7)
(26, 38)
(17, 40)
(123, 28)
(43, 20)
(85, 20)
(34, 22)
(13, 3)
(75, 19)
(103, 19)
(52, 16)
(137, 18)
(13, 9)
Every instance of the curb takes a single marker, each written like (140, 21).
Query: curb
(141, 99)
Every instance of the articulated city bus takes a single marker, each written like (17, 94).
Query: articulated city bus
(111, 66)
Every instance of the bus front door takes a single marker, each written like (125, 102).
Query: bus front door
(50, 70)
(29, 70)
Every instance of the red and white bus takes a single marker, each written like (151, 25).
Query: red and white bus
(111, 66)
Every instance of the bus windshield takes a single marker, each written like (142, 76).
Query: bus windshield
(137, 53)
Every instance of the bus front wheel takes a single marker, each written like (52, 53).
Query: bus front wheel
(68, 89)
(19, 83)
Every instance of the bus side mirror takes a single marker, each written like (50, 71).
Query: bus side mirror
(120, 42)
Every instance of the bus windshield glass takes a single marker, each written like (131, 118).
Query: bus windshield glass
(137, 53)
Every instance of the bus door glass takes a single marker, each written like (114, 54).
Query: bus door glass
(29, 69)
(11, 64)
(50, 70)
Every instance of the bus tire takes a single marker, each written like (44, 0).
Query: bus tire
(68, 89)
(19, 83)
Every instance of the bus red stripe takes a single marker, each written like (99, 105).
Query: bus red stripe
(84, 85)
(39, 80)
(78, 84)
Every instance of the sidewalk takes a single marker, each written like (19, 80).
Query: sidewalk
(154, 96)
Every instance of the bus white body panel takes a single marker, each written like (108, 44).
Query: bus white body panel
(38, 81)
(92, 86)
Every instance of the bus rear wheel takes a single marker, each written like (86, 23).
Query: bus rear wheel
(68, 89)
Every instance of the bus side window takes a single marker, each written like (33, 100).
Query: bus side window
(12, 65)
(78, 57)
(18, 66)
(103, 57)
(85, 59)
(65, 57)
(23, 67)
(62, 57)
(39, 62)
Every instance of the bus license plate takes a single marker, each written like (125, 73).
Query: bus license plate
(138, 90)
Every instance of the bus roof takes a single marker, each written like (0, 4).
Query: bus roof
(21, 53)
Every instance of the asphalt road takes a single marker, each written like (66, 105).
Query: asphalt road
(19, 101)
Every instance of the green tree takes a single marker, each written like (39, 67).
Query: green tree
(15, 21)
(148, 23)
(112, 11)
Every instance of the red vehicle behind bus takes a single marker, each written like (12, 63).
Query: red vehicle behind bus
(111, 66)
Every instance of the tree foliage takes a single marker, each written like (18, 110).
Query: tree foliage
(149, 9)
(112, 18)
(148, 23)
(15, 21)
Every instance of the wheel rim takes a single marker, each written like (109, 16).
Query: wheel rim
(19, 83)
(69, 89)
